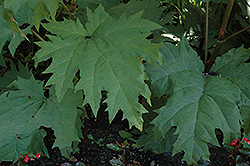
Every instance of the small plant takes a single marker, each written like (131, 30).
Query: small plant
(26, 157)
(122, 158)
(98, 142)
(237, 148)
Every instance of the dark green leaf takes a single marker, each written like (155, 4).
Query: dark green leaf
(232, 65)
(151, 9)
(92, 4)
(2, 62)
(124, 134)
(160, 145)
(63, 116)
(197, 104)
(12, 75)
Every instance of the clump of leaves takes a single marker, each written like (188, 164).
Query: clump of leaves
(26, 157)
(236, 148)
(96, 51)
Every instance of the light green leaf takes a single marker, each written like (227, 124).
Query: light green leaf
(114, 147)
(106, 55)
(197, 105)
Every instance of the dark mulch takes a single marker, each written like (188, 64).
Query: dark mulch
(92, 154)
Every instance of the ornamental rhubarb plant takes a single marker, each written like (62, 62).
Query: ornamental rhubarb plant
(82, 53)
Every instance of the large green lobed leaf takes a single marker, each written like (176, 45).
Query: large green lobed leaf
(63, 118)
(197, 104)
(17, 110)
(105, 53)
(232, 66)
(24, 109)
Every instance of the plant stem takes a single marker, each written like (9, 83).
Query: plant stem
(221, 34)
(219, 45)
(229, 37)
(39, 37)
(71, 15)
(206, 39)
(58, 14)
(65, 7)
(227, 14)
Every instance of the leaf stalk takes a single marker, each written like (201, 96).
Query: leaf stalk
(39, 37)
(221, 34)
(206, 38)
(71, 15)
